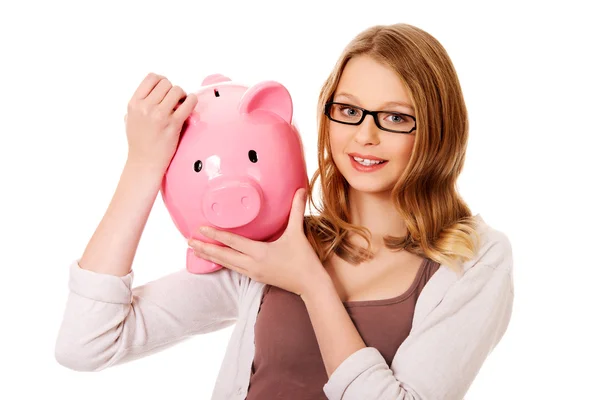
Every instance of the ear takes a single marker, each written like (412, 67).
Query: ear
(215, 78)
(268, 96)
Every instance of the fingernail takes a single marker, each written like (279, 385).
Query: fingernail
(204, 230)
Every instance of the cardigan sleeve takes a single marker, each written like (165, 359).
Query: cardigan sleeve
(441, 357)
(106, 321)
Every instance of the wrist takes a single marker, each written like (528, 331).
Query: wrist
(322, 286)
(142, 175)
(144, 167)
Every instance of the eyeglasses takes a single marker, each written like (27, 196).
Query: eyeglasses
(385, 120)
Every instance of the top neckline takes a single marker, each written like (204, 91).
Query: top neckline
(395, 299)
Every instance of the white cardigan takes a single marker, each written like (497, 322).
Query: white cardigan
(457, 322)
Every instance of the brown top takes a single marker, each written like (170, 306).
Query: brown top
(287, 362)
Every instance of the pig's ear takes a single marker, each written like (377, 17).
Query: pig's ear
(268, 96)
(215, 78)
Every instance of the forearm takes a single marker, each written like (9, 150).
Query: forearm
(112, 247)
(336, 334)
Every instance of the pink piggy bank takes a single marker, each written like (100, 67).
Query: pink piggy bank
(237, 166)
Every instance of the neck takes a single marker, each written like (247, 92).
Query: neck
(376, 212)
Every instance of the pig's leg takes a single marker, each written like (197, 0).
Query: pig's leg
(197, 265)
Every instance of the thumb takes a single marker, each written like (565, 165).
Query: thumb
(296, 220)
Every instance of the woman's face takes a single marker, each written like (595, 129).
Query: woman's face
(367, 84)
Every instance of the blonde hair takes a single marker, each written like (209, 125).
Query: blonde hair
(439, 223)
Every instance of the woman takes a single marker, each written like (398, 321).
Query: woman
(393, 290)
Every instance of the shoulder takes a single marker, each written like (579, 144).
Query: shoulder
(488, 277)
(491, 266)
(469, 312)
(495, 248)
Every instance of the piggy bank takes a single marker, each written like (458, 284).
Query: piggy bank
(237, 166)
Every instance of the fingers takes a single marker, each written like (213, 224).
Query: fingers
(172, 98)
(147, 85)
(159, 92)
(236, 242)
(156, 92)
(221, 255)
(296, 219)
(185, 109)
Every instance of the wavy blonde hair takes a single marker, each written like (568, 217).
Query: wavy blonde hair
(440, 225)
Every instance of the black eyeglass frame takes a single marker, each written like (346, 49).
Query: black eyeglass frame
(366, 112)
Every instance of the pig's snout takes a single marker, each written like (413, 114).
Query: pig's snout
(232, 203)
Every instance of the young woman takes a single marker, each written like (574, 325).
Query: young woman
(393, 290)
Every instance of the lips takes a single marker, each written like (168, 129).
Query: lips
(366, 157)
(366, 164)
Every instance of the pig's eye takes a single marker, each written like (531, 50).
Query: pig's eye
(253, 156)
(198, 166)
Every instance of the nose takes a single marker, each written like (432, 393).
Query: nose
(232, 203)
(367, 132)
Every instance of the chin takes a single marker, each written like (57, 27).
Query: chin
(369, 185)
(378, 182)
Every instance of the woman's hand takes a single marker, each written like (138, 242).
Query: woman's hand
(154, 120)
(289, 263)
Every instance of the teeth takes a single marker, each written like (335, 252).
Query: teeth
(366, 162)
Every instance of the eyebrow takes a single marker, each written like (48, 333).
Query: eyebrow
(389, 103)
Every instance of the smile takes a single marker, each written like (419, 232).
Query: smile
(367, 162)
(363, 163)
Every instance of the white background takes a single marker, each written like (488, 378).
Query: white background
(530, 77)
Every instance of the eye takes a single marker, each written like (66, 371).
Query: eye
(351, 112)
(395, 118)
(253, 156)
(198, 166)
